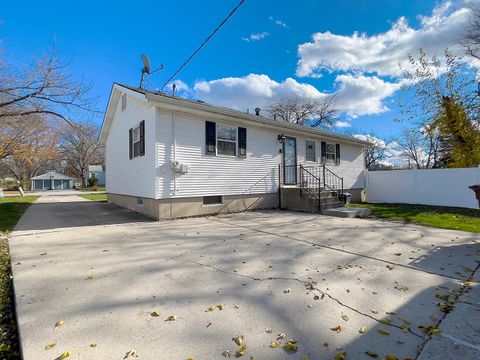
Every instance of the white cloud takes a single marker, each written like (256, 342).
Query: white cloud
(355, 95)
(394, 154)
(363, 95)
(342, 124)
(381, 53)
(278, 22)
(256, 37)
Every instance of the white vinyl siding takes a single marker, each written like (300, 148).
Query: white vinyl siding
(127, 176)
(227, 175)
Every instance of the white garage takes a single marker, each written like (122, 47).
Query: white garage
(52, 181)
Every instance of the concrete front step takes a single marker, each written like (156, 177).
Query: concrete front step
(348, 212)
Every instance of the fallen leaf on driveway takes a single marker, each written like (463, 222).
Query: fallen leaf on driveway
(390, 267)
(341, 355)
(390, 357)
(281, 336)
(275, 344)
(268, 330)
(371, 353)
(49, 346)
(286, 291)
(291, 345)
(131, 353)
(227, 353)
(398, 254)
(383, 332)
(92, 345)
(241, 351)
(337, 329)
(59, 323)
(65, 355)
(171, 318)
(155, 314)
(362, 330)
(238, 339)
(344, 317)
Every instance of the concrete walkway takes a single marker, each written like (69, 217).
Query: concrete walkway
(103, 271)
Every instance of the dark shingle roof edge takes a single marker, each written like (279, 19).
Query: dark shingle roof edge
(200, 105)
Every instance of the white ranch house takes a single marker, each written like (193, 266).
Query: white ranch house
(169, 157)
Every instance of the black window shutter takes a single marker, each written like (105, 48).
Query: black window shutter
(210, 138)
(130, 143)
(142, 137)
(324, 152)
(337, 156)
(242, 142)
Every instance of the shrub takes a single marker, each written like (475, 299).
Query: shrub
(92, 182)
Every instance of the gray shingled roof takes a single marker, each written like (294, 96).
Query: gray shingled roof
(200, 105)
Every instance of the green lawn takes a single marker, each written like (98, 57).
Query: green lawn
(96, 197)
(11, 209)
(435, 216)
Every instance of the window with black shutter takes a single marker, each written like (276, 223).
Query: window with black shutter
(310, 150)
(324, 152)
(242, 142)
(130, 143)
(210, 138)
(137, 140)
(337, 154)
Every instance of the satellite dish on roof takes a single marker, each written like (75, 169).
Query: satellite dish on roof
(146, 64)
(147, 69)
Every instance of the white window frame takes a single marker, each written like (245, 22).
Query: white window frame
(231, 141)
(136, 128)
(314, 150)
(327, 161)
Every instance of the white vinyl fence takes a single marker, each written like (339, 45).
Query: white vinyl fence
(443, 187)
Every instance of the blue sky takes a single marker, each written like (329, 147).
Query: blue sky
(266, 49)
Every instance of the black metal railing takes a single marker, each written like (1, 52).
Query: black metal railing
(311, 179)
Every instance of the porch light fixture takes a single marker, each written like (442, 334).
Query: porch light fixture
(281, 138)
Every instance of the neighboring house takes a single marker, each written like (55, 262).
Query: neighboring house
(97, 172)
(169, 157)
(52, 181)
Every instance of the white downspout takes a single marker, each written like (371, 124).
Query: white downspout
(174, 155)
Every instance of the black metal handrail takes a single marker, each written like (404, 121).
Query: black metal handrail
(332, 181)
(310, 183)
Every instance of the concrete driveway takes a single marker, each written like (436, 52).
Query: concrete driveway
(103, 271)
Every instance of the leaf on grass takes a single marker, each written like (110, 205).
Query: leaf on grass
(291, 345)
(341, 355)
(344, 317)
(362, 330)
(238, 339)
(171, 318)
(49, 346)
(275, 344)
(65, 355)
(371, 353)
(155, 314)
(337, 328)
(59, 323)
(383, 332)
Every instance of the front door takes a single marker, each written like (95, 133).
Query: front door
(290, 161)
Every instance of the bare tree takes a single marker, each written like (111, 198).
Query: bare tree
(305, 111)
(412, 144)
(44, 88)
(471, 38)
(34, 149)
(79, 147)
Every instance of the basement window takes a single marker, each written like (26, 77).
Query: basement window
(139, 201)
(213, 200)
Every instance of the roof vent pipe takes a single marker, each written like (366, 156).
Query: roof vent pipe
(257, 111)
